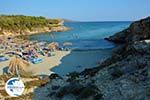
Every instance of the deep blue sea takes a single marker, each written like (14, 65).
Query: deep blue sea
(88, 44)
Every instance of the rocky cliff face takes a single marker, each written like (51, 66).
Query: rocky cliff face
(124, 76)
(139, 30)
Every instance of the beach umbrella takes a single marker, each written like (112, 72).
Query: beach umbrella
(15, 53)
(53, 46)
(18, 65)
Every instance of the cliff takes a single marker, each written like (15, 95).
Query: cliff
(27, 25)
(139, 30)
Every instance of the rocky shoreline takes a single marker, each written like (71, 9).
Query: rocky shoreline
(37, 31)
(124, 76)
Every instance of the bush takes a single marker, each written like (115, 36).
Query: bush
(117, 72)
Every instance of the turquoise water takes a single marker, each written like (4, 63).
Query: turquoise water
(88, 44)
(85, 35)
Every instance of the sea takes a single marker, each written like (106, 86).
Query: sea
(89, 48)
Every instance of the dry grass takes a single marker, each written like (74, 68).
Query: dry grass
(23, 97)
(3, 93)
(36, 83)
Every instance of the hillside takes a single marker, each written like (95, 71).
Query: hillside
(19, 24)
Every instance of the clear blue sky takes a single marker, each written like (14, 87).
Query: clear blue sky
(82, 10)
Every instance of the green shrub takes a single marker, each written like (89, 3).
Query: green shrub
(117, 73)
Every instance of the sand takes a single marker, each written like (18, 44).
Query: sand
(43, 68)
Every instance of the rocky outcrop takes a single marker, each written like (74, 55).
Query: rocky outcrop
(138, 30)
(34, 31)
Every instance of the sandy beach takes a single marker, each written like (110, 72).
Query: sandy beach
(44, 67)
(48, 63)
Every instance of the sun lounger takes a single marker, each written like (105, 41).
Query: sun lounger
(36, 60)
(2, 58)
(42, 52)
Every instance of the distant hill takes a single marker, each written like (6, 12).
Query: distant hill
(68, 20)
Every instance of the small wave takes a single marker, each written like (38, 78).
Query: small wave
(91, 49)
(90, 45)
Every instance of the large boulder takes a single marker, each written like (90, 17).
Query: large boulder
(138, 30)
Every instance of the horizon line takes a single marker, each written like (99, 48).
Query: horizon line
(70, 20)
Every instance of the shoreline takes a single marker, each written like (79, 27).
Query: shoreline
(40, 30)
(44, 68)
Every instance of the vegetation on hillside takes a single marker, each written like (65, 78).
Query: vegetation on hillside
(21, 22)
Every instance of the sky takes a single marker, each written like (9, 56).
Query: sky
(79, 10)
